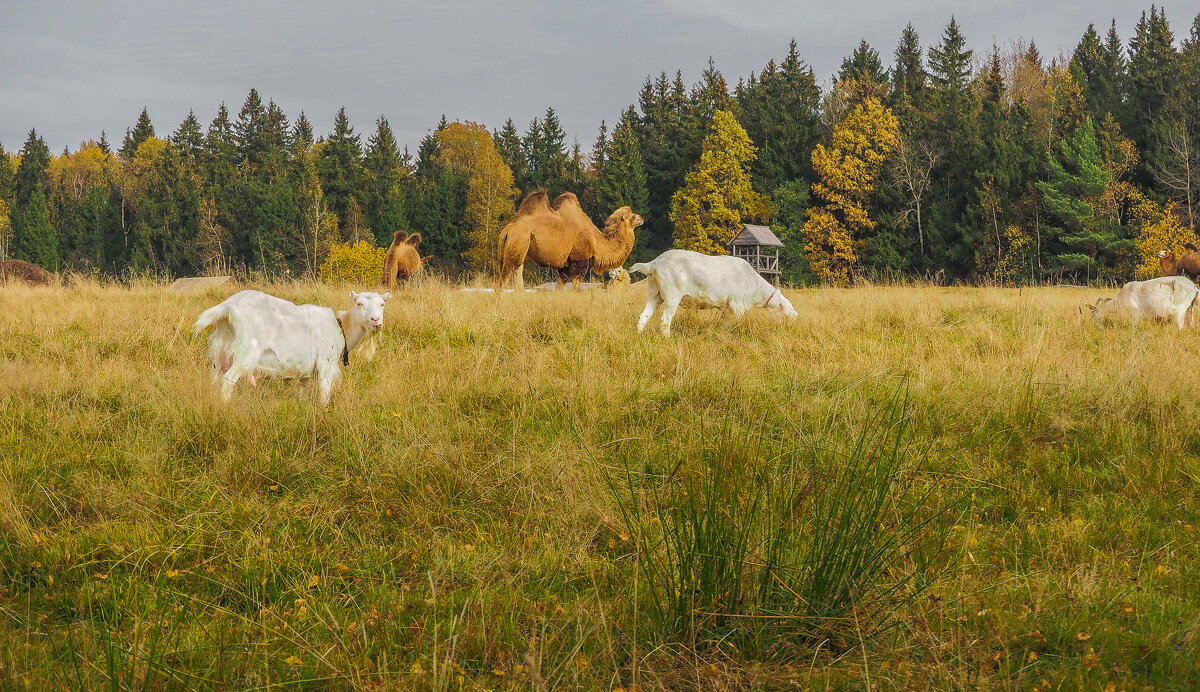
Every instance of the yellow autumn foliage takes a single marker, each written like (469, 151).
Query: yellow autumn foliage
(78, 172)
(716, 197)
(468, 147)
(848, 170)
(358, 263)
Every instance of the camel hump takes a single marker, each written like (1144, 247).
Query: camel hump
(1189, 247)
(414, 239)
(399, 236)
(533, 201)
(564, 198)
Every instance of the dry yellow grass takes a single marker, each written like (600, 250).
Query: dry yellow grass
(446, 523)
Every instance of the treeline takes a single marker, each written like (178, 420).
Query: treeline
(1005, 166)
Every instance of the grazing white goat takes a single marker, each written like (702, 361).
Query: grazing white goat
(1171, 298)
(683, 277)
(259, 333)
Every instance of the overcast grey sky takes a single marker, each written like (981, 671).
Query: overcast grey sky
(72, 69)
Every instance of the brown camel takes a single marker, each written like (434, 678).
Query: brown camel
(1188, 264)
(20, 270)
(402, 260)
(563, 237)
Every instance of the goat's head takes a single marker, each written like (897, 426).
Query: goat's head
(619, 276)
(368, 309)
(777, 303)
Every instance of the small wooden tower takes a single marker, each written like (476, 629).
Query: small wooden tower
(758, 246)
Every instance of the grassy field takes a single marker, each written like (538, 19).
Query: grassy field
(508, 497)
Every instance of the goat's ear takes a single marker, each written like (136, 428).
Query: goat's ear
(353, 295)
(385, 296)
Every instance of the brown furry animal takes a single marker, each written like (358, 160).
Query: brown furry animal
(563, 237)
(20, 270)
(402, 260)
(1187, 265)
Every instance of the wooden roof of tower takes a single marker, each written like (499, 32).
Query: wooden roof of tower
(756, 235)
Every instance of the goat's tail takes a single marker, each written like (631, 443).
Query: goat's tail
(642, 268)
(210, 317)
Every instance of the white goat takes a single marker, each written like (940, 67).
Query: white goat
(1170, 298)
(683, 277)
(256, 332)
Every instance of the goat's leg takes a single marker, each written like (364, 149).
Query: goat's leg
(652, 302)
(327, 376)
(670, 305)
(230, 379)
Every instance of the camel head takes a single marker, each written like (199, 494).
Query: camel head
(623, 217)
(1166, 261)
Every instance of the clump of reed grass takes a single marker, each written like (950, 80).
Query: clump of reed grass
(808, 545)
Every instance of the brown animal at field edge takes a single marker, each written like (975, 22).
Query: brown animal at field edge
(20, 270)
(563, 237)
(402, 260)
(1188, 264)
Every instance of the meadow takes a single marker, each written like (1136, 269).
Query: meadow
(522, 493)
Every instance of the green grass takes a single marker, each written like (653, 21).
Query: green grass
(460, 516)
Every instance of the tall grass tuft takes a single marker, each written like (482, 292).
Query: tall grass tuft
(806, 545)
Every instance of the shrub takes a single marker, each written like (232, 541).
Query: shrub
(360, 263)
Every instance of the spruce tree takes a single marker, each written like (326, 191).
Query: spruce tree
(34, 238)
(385, 177)
(863, 72)
(302, 135)
(249, 130)
(1093, 67)
(621, 179)
(1154, 83)
(189, 139)
(709, 95)
(31, 173)
(141, 131)
(953, 134)
(779, 110)
(909, 79)
(220, 169)
(340, 168)
(1083, 241)
(509, 146)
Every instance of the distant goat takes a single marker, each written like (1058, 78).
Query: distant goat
(259, 333)
(1171, 298)
(1188, 264)
(683, 277)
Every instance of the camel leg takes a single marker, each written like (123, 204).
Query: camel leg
(577, 269)
(513, 248)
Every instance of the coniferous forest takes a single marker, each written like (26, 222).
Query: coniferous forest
(940, 161)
